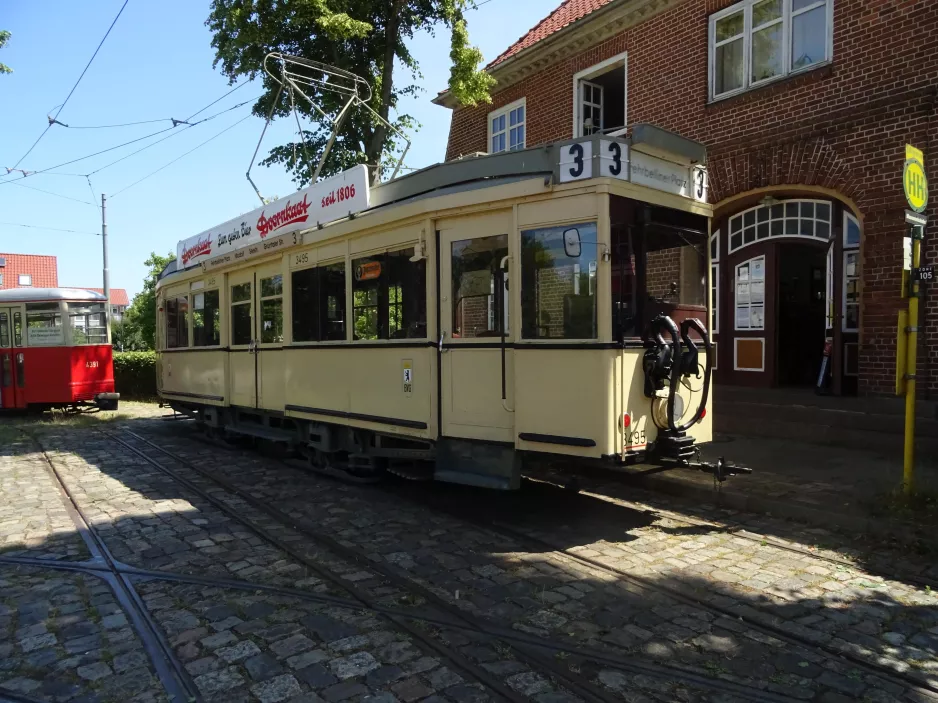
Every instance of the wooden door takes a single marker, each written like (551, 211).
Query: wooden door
(477, 373)
(268, 340)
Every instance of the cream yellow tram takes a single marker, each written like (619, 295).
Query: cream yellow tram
(551, 300)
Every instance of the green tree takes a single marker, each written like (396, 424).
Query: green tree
(138, 330)
(4, 38)
(365, 37)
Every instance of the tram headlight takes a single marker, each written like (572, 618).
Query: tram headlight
(661, 410)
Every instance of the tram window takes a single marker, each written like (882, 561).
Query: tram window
(389, 296)
(241, 328)
(87, 323)
(44, 325)
(558, 292)
(177, 322)
(479, 287)
(17, 329)
(4, 330)
(319, 303)
(206, 319)
(272, 309)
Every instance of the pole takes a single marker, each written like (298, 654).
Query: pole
(107, 284)
(908, 457)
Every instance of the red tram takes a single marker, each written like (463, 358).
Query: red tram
(55, 349)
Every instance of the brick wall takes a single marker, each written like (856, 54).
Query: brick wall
(843, 127)
(662, 268)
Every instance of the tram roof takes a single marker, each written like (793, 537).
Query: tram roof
(490, 170)
(43, 295)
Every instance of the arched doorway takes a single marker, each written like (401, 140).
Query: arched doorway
(782, 291)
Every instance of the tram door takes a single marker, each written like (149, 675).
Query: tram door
(12, 381)
(242, 362)
(473, 313)
(268, 337)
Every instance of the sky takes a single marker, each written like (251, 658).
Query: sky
(156, 64)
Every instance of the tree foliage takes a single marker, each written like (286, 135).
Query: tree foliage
(138, 330)
(4, 38)
(367, 38)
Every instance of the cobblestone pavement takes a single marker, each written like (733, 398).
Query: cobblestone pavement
(63, 637)
(692, 604)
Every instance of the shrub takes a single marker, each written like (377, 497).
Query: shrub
(135, 374)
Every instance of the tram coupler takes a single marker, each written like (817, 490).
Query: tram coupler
(721, 469)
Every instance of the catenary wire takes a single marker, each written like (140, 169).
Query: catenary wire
(68, 97)
(57, 195)
(51, 229)
(199, 146)
(132, 141)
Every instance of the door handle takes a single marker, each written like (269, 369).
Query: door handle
(440, 343)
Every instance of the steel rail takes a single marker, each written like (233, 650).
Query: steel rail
(509, 637)
(169, 669)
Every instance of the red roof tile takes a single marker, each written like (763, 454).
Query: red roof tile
(569, 12)
(44, 270)
(118, 295)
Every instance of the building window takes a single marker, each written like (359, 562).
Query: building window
(600, 98)
(272, 309)
(1, 280)
(851, 303)
(757, 41)
(25, 279)
(507, 127)
(319, 304)
(792, 218)
(242, 330)
(177, 322)
(44, 325)
(558, 297)
(750, 294)
(206, 319)
(389, 296)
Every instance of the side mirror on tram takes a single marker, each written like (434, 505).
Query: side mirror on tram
(571, 243)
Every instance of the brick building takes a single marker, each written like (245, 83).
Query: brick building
(28, 270)
(805, 107)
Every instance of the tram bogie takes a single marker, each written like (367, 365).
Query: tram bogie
(543, 302)
(55, 350)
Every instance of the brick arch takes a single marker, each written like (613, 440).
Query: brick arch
(811, 161)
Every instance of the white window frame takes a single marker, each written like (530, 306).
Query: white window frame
(749, 305)
(506, 111)
(787, 23)
(740, 217)
(28, 279)
(849, 249)
(599, 69)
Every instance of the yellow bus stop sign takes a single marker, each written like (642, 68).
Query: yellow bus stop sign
(914, 181)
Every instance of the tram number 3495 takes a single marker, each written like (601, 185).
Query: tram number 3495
(91, 364)
(635, 438)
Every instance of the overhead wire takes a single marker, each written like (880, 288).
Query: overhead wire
(58, 195)
(51, 229)
(52, 120)
(138, 139)
(199, 146)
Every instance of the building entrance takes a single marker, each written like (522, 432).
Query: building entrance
(800, 331)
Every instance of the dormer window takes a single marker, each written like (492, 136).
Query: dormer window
(599, 95)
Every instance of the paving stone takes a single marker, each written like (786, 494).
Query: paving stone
(411, 690)
(221, 680)
(349, 643)
(357, 664)
(262, 667)
(130, 660)
(93, 672)
(203, 666)
(467, 694)
(397, 652)
(344, 691)
(327, 629)
(292, 646)
(443, 678)
(843, 684)
(21, 684)
(528, 683)
(385, 675)
(301, 661)
(113, 622)
(37, 642)
(279, 688)
(219, 639)
(316, 676)
(237, 652)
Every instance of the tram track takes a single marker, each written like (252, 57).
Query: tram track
(170, 671)
(527, 648)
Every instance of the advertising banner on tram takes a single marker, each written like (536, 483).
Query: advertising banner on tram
(329, 200)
